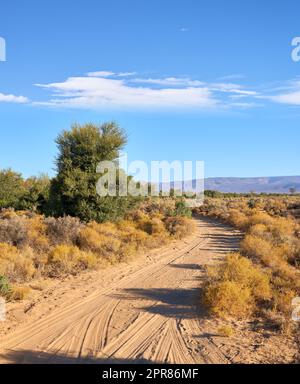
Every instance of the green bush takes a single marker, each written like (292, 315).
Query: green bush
(73, 191)
(5, 287)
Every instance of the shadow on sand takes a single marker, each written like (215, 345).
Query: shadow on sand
(39, 357)
(170, 303)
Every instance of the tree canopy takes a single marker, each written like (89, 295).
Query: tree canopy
(73, 190)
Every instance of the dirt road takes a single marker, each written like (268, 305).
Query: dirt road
(145, 311)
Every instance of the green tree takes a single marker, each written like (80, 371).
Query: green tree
(73, 191)
(36, 196)
(12, 189)
(212, 194)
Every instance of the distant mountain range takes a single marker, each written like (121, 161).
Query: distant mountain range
(280, 184)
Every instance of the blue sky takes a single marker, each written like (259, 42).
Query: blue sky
(188, 80)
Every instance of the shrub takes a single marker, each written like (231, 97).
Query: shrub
(17, 266)
(238, 219)
(22, 231)
(5, 287)
(19, 293)
(260, 218)
(179, 227)
(68, 259)
(153, 206)
(235, 287)
(242, 271)
(63, 230)
(98, 239)
(228, 298)
(271, 239)
(226, 331)
(36, 234)
(32, 246)
(7, 213)
(130, 234)
(13, 230)
(181, 209)
(258, 248)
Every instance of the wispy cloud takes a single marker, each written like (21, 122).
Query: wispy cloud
(286, 94)
(106, 89)
(100, 92)
(233, 89)
(170, 81)
(126, 90)
(110, 74)
(184, 29)
(5, 98)
(245, 105)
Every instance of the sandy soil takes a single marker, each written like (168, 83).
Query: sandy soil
(145, 311)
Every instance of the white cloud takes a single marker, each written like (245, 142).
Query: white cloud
(100, 74)
(232, 88)
(125, 74)
(289, 93)
(245, 104)
(292, 98)
(183, 29)
(4, 98)
(110, 74)
(105, 89)
(100, 92)
(170, 81)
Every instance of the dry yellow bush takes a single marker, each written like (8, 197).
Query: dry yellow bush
(260, 230)
(272, 238)
(179, 227)
(32, 246)
(226, 331)
(259, 217)
(37, 234)
(98, 240)
(16, 265)
(7, 214)
(69, 259)
(235, 287)
(260, 249)
(242, 271)
(238, 219)
(283, 300)
(127, 251)
(19, 293)
(130, 234)
(227, 298)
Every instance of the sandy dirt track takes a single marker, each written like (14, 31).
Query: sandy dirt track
(145, 311)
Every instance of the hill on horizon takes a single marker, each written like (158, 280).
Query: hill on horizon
(277, 184)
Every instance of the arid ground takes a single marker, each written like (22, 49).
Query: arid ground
(145, 311)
